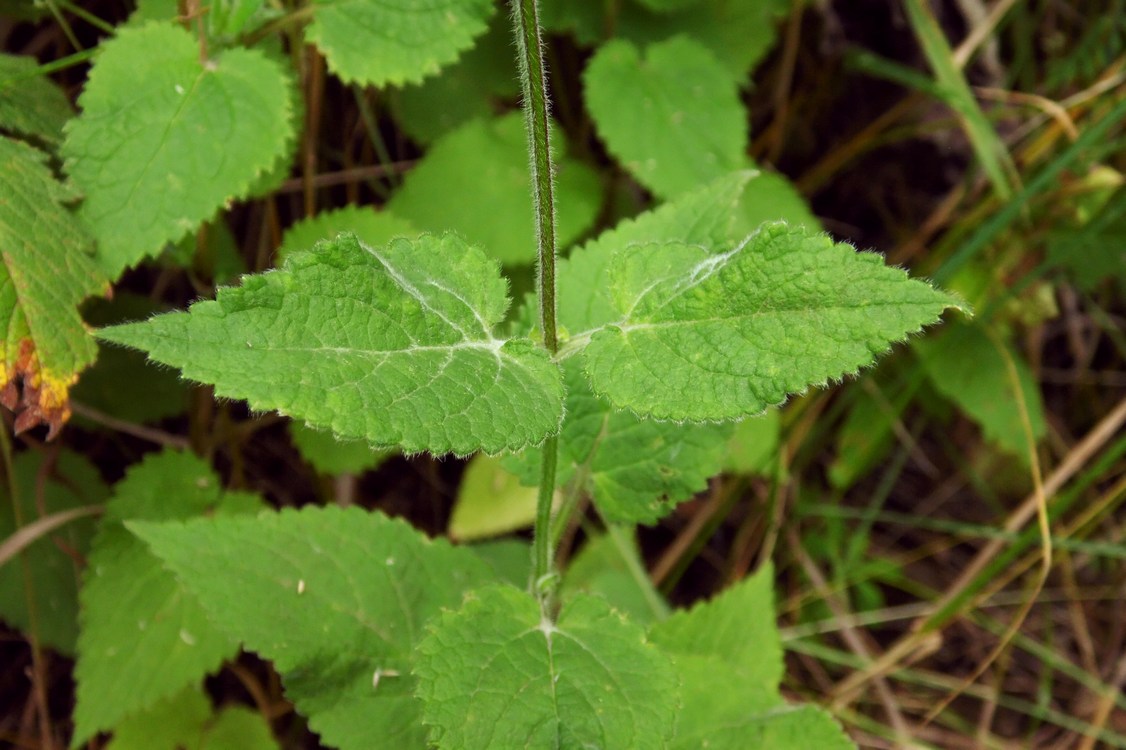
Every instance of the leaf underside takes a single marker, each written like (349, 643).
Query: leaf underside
(392, 345)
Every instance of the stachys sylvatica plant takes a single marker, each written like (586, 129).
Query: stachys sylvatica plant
(619, 379)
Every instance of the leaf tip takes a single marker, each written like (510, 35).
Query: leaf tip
(34, 394)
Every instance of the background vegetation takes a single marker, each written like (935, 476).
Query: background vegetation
(978, 144)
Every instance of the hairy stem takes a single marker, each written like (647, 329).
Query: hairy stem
(533, 81)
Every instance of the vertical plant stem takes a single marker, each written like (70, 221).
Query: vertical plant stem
(533, 82)
(543, 546)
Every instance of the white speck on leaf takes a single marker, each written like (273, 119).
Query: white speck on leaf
(379, 674)
(301, 586)
(187, 637)
(179, 89)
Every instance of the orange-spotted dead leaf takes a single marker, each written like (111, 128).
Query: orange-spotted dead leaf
(45, 271)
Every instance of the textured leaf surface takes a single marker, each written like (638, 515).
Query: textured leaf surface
(72, 484)
(186, 722)
(704, 216)
(372, 227)
(394, 41)
(143, 636)
(31, 104)
(46, 271)
(475, 181)
(968, 368)
(497, 674)
(635, 469)
(672, 116)
(334, 597)
(156, 155)
(729, 656)
(708, 336)
(392, 345)
(331, 455)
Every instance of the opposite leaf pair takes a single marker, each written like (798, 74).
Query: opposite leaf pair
(396, 345)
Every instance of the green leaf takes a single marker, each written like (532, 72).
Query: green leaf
(587, 21)
(336, 597)
(475, 181)
(158, 154)
(711, 336)
(673, 117)
(394, 346)
(385, 41)
(154, 10)
(52, 560)
(966, 366)
(372, 227)
(729, 657)
(635, 469)
(862, 441)
(465, 90)
(704, 216)
(186, 721)
(30, 103)
(129, 598)
(230, 17)
(212, 252)
(665, 6)
(739, 33)
(771, 197)
(497, 673)
(509, 559)
(754, 444)
(738, 627)
(600, 569)
(46, 271)
(1096, 250)
(331, 455)
(491, 501)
